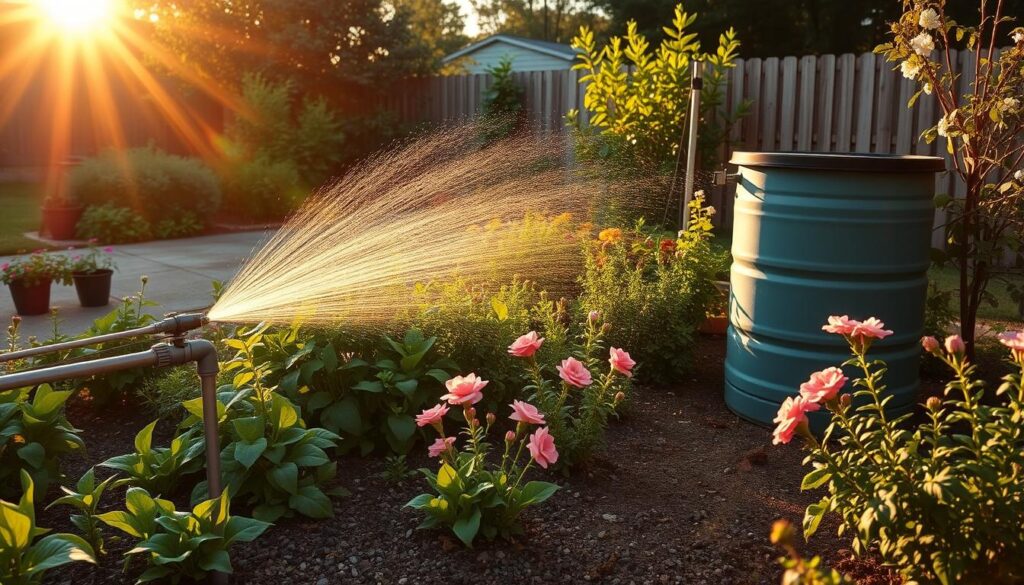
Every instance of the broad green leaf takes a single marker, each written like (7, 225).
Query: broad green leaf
(144, 439)
(446, 476)
(311, 502)
(216, 560)
(535, 492)
(249, 428)
(15, 528)
(344, 415)
(241, 529)
(402, 425)
(56, 550)
(282, 413)
(815, 479)
(374, 386)
(308, 455)
(33, 453)
(467, 527)
(248, 452)
(285, 477)
(419, 502)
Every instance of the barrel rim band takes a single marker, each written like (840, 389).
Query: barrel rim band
(841, 161)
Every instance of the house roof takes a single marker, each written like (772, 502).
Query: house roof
(558, 50)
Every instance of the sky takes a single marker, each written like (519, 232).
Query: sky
(471, 25)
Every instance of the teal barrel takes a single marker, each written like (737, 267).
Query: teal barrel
(817, 235)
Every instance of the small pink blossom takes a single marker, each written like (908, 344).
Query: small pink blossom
(1015, 341)
(108, 250)
(840, 325)
(542, 447)
(574, 373)
(432, 416)
(5, 266)
(792, 414)
(621, 362)
(527, 413)
(593, 316)
(526, 345)
(510, 437)
(930, 344)
(440, 446)
(464, 390)
(824, 385)
(955, 345)
(871, 328)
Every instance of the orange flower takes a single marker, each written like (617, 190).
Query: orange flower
(668, 246)
(610, 235)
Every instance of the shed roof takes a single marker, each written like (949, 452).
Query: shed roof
(557, 50)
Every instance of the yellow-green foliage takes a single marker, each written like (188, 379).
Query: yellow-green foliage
(636, 116)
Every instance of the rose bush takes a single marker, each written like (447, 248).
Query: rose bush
(940, 500)
(472, 495)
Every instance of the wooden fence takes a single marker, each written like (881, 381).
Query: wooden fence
(826, 103)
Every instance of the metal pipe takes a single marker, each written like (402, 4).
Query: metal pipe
(696, 85)
(142, 359)
(172, 324)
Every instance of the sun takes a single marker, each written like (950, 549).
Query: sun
(77, 17)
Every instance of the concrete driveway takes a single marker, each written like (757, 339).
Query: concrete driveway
(180, 276)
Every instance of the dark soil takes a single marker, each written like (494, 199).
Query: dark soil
(685, 492)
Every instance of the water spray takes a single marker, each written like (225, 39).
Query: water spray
(173, 351)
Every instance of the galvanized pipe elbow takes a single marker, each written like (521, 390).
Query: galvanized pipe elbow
(200, 351)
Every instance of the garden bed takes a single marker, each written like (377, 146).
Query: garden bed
(684, 493)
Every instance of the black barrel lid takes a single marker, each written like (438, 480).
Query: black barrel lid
(841, 161)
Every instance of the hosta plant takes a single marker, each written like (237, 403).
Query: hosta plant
(269, 458)
(85, 498)
(181, 545)
(23, 558)
(577, 405)
(471, 494)
(34, 434)
(940, 500)
(160, 469)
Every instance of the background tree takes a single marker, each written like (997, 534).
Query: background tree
(438, 26)
(546, 20)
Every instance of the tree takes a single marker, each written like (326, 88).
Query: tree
(546, 20)
(437, 26)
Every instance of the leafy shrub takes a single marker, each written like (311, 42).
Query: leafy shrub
(163, 395)
(939, 314)
(939, 499)
(577, 410)
(160, 469)
(23, 562)
(797, 569)
(653, 291)
(264, 188)
(154, 184)
(503, 102)
(185, 225)
(471, 494)
(636, 118)
(86, 500)
(268, 458)
(34, 434)
(179, 545)
(112, 224)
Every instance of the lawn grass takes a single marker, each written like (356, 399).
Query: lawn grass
(20, 205)
(947, 278)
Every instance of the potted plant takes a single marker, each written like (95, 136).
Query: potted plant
(60, 211)
(29, 278)
(92, 273)
(716, 321)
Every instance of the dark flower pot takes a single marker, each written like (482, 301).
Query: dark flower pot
(59, 222)
(93, 288)
(32, 299)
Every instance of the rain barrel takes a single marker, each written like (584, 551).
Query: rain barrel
(825, 234)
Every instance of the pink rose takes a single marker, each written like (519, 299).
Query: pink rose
(464, 390)
(542, 447)
(440, 446)
(5, 266)
(593, 316)
(840, 325)
(955, 345)
(930, 344)
(1015, 341)
(871, 328)
(792, 414)
(431, 416)
(824, 385)
(526, 413)
(526, 345)
(574, 373)
(510, 437)
(621, 362)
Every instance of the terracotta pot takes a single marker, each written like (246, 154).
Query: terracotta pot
(715, 325)
(59, 222)
(93, 288)
(31, 299)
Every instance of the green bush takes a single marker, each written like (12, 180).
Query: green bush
(164, 394)
(503, 102)
(653, 291)
(159, 469)
(154, 184)
(111, 224)
(263, 188)
(85, 498)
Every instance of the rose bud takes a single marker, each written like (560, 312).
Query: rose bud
(930, 344)
(619, 397)
(933, 403)
(490, 418)
(510, 437)
(606, 328)
(593, 316)
(845, 400)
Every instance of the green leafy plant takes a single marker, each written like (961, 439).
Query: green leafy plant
(635, 118)
(92, 260)
(159, 470)
(34, 435)
(503, 102)
(577, 409)
(112, 224)
(86, 499)
(396, 469)
(154, 184)
(23, 559)
(185, 225)
(470, 494)
(36, 268)
(264, 187)
(797, 569)
(653, 290)
(941, 499)
(164, 394)
(181, 545)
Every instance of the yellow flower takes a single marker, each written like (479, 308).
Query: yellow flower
(560, 219)
(610, 235)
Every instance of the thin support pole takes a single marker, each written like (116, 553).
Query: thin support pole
(211, 432)
(696, 85)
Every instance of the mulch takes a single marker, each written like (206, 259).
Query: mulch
(684, 492)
